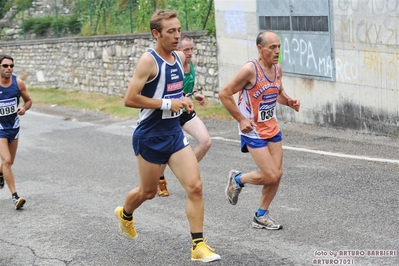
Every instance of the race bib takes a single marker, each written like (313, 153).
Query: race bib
(167, 114)
(8, 106)
(266, 111)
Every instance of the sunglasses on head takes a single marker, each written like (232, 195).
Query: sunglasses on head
(6, 65)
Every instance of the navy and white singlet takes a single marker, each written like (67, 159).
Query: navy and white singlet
(168, 84)
(9, 101)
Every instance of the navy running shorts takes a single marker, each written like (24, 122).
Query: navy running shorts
(159, 149)
(258, 143)
(185, 117)
(10, 134)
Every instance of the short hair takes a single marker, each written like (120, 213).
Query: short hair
(261, 39)
(158, 16)
(2, 57)
(184, 38)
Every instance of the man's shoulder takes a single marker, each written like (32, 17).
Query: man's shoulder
(146, 59)
(181, 55)
(193, 62)
(20, 82)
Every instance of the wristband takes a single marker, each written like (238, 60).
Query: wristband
(166, 104)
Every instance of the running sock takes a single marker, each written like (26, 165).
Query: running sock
(238, 180)
(162, 178)
(127, 216)
(15, 195)
(197, 238)
(260, 212)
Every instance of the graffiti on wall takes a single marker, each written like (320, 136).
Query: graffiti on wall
(375, 6)
(372, 24)
(345, 70)
(299, 53)
(368, 32)
(382, 63)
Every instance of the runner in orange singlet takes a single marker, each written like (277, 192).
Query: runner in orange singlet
(260, 87)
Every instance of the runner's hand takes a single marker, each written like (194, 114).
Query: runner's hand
(294, 104)
(247, 125)
(188, 104)
(200, 98)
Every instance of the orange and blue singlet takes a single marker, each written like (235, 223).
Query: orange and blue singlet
(258, 103)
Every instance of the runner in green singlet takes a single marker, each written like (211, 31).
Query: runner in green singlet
(190, 123)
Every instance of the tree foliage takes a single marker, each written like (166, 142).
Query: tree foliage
(100, 17)
(133, 16)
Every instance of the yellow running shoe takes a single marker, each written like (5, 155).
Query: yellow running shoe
(125, 226)
(162, 189)
(203, 252)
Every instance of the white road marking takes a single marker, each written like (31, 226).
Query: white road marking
(383, 160)
(326, 153)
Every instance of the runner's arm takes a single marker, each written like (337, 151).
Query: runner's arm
(25, 97)
(283, 97)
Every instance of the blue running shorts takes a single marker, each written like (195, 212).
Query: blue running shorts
(258, 143)
(10, 134)
(159, 149)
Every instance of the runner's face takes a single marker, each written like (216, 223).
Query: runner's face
(187, 47)
(170, 34)
(6, 73)
(271, 50)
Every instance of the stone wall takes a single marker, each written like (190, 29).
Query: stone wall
(101, 64)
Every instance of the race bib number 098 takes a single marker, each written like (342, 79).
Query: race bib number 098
(8, 106)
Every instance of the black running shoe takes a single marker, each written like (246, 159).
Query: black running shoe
(1, 180)
(18, 202)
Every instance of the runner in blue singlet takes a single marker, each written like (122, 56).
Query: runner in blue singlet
(11, 89)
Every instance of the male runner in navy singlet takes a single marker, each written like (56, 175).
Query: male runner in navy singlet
(157, 89)
(11, 90)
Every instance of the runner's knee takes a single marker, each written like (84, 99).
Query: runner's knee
(206, 144)
(148, 194)
(194, 190)
(273, 178)
(6, 163)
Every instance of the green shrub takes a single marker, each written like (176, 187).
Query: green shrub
(37, 25)
(73, 24)
(41, 25)
(67, 23)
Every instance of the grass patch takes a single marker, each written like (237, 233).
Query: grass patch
(212, 110)
(95, 102)
(110, 105)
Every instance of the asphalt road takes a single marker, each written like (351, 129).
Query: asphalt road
(338, 199)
